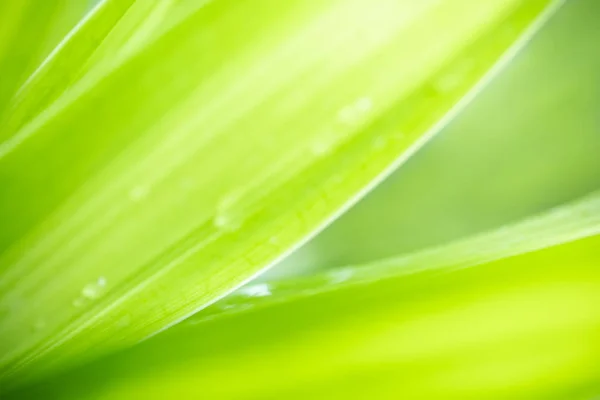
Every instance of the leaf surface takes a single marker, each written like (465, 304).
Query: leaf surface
(525, 325)
(29, 29)
(209, 151)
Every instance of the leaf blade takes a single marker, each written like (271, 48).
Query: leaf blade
(229, 230)
(568, 223)
(29, 31)
(520, 327)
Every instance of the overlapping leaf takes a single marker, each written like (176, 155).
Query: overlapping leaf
(514, 319)
(568, 223)
(529, 142)
(29, 29)
(182, 155)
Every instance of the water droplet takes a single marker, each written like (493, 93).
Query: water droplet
(78, 302)
(138, 193)
(226, 222)
(226, 218)
(364, 104)
(259, 290)
(380, 143)
(354, 113)
(454, 78)
(321, 147)
(90, 291)
(340, 276)
(124, 321)
(93, 290)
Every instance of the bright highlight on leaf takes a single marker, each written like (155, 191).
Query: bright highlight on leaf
(29, 30)
(168, 151)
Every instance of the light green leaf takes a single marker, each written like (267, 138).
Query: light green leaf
(63, 67)
(530, 141)
(29, 29)
(111, 33)
(523, 327)
(568, 223)
(206, 153)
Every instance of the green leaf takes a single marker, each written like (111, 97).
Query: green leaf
(527, 143)
(29, 29)
(206, 153)
(568, 223)
(112, 33)
(63, 67)
(526, 326)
